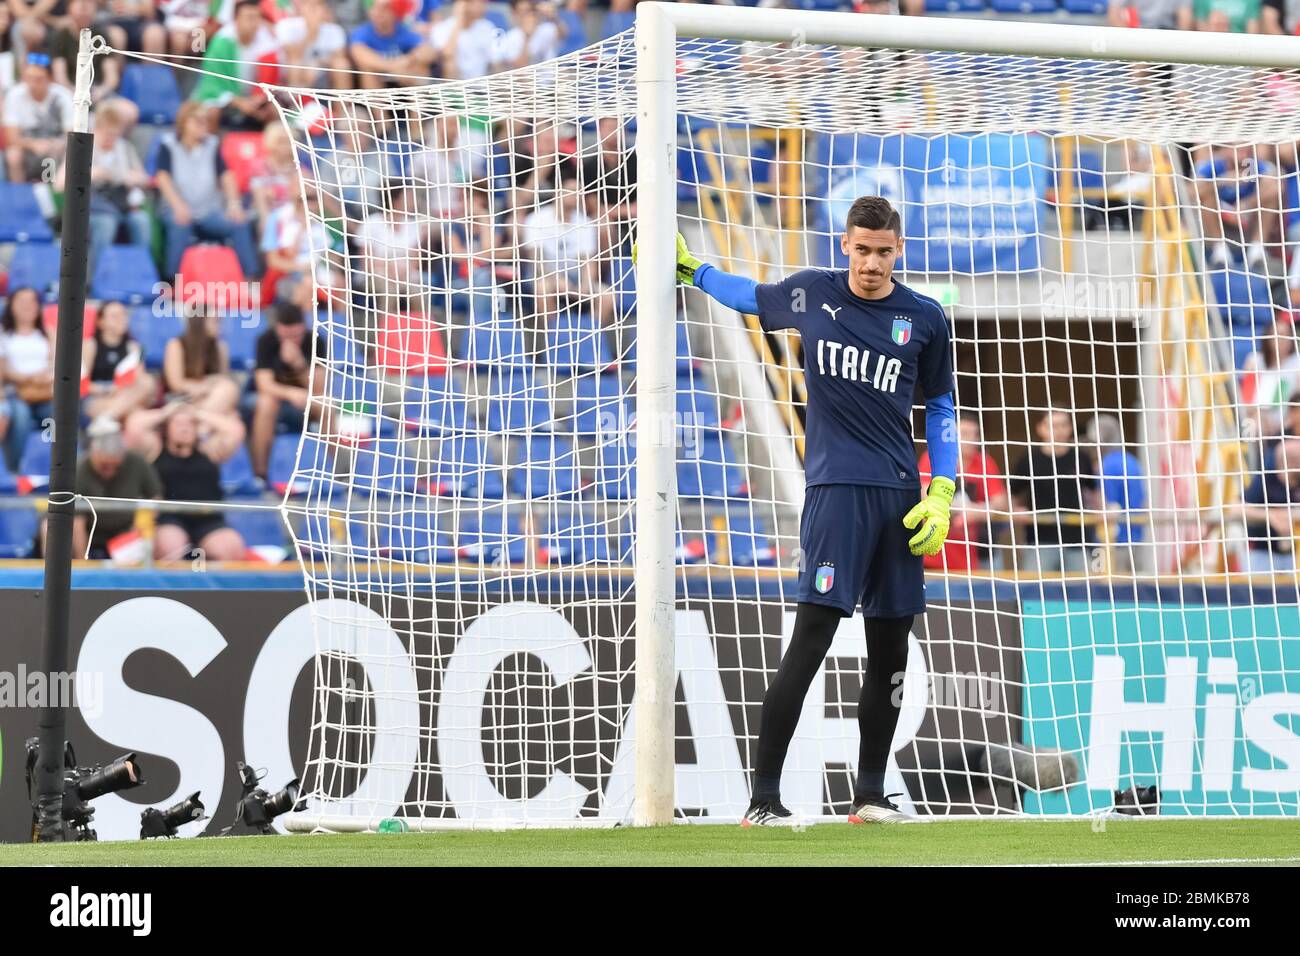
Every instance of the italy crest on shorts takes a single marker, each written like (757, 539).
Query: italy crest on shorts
(902, 331)
(825, 578)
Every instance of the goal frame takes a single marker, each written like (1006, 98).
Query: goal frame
(658, 27)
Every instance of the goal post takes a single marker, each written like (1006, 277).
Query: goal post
(547, 501)
(659, 28)
(656, 504)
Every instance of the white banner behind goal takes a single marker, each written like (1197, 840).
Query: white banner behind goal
(1117, 604)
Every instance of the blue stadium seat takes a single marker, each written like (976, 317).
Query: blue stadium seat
(574, 539)
(616, 473)
(710, 470)
(354, 386)
(491, 537)
(314, 460)
(36, 265)
(412, 532)
(8, 483)
(383, 465)
(34, 465)
(463, 467)
(237, 478)
(575, 341)
(343, 349)
(1023, 6)
(693, 548)
(499, 342)
(1091, 172)
(697, 404)
(21, 219)
(153, 332)
(692, 167)
(125, 274)
(1085, 8)
(1247, 306)
(548, 468)
(516, 401)
(323, 537)
(434, 405)
(356, 394)
(954, 6)
(18, 528)
(240, 333)
(258, 528)
(599, 406)
(153, 89)
(822, 4)
(748, 541)
(622, 282)
(686, 359)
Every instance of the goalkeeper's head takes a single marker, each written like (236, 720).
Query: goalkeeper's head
(873, 241)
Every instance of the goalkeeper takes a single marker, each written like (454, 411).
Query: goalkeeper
(869, 342)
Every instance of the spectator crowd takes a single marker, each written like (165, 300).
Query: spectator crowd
(195, 171)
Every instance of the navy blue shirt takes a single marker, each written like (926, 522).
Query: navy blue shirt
(1269, 488)
(863, 362)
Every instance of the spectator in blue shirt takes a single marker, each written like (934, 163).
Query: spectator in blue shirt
(387, 51)
(621, 16)
(574, 17)
(1123, 485)
(1238, 190)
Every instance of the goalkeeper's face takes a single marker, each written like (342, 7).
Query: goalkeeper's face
(872, 254)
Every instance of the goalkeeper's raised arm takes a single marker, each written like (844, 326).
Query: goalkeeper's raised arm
(741, 293)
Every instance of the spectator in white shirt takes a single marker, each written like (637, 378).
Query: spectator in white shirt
(393, 240)
(311, 44)
(37, 116)
(120, 179)
(27, 368)
(439, 170)
(536, 35)
(561, 241)
(466, 42)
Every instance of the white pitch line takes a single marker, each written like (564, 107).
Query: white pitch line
(1201, 862)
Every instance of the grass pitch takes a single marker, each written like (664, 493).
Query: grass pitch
(1120, 842)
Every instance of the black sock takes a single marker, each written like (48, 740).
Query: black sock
(877, 711)
(814, 627)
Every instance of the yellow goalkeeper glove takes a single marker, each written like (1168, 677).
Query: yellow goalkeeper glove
(686, 263)
(932, 515)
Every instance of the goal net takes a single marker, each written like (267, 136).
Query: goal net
(1116, 606)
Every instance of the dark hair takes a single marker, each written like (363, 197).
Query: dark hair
(7, 320)
(241, 4)
(873, 212)
(1046, 415)
(99, 321)
(201, 350)
(286, 313)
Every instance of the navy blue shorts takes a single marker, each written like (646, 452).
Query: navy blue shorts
(855, 551)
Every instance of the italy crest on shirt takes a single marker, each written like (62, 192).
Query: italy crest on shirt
(825, 579)
(902, 330)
